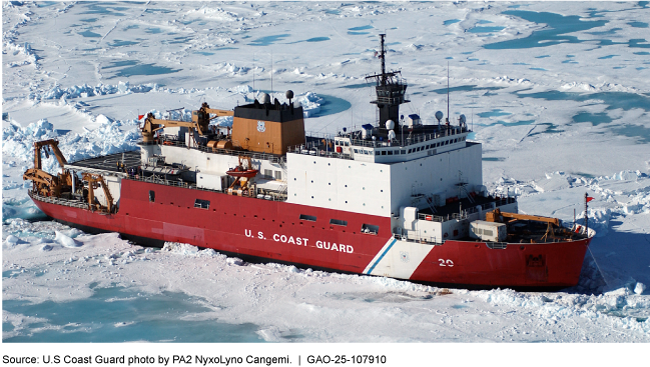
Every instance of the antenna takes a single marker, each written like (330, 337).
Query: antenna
(447, 91)
(271, 73)
(383, 60)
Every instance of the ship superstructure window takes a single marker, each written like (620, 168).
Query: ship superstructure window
(369, 228)
(278, 175)
(310, 218)
(268, 173)
(152, 196)
(338, 222)
(202, 204)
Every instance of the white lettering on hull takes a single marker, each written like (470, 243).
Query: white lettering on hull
(301, 241)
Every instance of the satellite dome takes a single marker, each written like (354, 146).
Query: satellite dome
(462, 119)
(439, 115)
(390, 124)
(391, 135)
(266, 98)
(289, 94)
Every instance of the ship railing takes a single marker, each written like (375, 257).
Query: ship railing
(498, 202)
(431, 217)
(444, 218)
(255, 193)
(504, 201)
(167, 140)
(428, 240)
(59, 201)
(486, 206)
(411, 140)
(315, 150)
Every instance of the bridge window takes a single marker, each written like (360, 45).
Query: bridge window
(369, 228)
(339, 222)
(310, 218)
(202, 204)
(278, 175)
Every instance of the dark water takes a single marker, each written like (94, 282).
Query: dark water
(120, 315)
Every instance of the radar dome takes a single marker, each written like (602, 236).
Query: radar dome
(391, 135)
(439, 115)
(289, 94)
(462, 119)
(266, 98)
(390, 124)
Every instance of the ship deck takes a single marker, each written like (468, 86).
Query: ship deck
(109, 162)
(466, 204)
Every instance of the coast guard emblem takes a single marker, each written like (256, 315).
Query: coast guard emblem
(261, 126)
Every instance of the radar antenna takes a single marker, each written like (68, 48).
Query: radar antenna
(447, 92)
(390, 89)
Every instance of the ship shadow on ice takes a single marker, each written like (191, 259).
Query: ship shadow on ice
(616, 261)
(12, 209)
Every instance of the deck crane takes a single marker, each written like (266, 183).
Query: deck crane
(45, 183)
(509, 218)
(94, 182)
(200, 121)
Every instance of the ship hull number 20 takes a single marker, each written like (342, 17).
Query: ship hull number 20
(446, 262)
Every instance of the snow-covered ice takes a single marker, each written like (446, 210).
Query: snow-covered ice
(557, 93)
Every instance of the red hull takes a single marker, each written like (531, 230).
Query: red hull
(272, 230)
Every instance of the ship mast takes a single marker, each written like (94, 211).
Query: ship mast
(390, 89)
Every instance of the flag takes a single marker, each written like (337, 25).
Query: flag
(589, 198)
(140, 117)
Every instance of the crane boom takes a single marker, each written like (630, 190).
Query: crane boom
(498, 216)
(200, 121)
(152, 124)
(55, 149)
(43, 182)
(94, 181)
